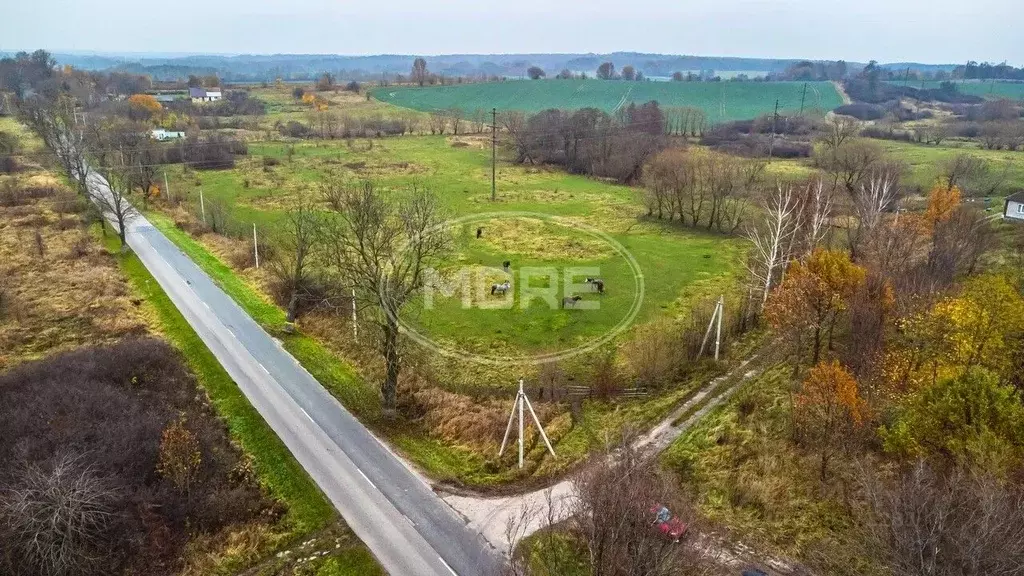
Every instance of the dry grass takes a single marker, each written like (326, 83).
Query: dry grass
(539, 240)
(62, 290)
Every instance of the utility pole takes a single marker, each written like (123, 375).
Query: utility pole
(517, 408)
(803, 98)
(202, 204)
(716, 318)
(255, 246)
(771, 141)
(494, 154)
(167, 187)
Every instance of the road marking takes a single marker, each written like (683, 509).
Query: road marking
(365, 478)
(307, 414)
(447, 566)
(409, 520)
(264, 367)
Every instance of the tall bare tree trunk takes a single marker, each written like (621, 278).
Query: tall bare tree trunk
(389, 388)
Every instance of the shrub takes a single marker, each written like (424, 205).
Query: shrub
(861, 111)
(113, 403)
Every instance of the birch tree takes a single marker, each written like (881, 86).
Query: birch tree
(771, 241)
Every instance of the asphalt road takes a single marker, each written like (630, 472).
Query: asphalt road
(409, 528)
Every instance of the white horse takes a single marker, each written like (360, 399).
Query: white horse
(500, 289)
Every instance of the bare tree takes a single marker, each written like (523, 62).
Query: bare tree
(773, 239)
(817, 213)
(113, 201)
(513, 124)
(954, 525)
(839, 129)
(419, 71)
(870, 202)
(455, 119)
(294, 242)
(380, 244)
(958, 244)
(611, 509)
(55, 520)
(438, 121)
(55, 122)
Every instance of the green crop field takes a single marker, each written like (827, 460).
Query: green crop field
(721, 101)
(986, 89)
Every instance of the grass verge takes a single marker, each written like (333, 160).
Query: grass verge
(308, 510)
(277, 469)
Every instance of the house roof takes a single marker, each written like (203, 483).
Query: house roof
(196, 93)
(1016, 197)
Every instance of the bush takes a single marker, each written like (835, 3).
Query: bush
(293, 129)
(883, 134)
(113, 404)
(861, 111)
(210, 152)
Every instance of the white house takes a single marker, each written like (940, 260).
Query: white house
(1014, 207)
(162, 135)
(199, 95)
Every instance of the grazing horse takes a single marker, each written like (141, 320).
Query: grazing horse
(506, 265)
(479, 232)
(597, 283)
(500, 289)
(571, 302)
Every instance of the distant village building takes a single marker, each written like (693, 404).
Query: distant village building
(162, 135)
(1014, 207)
(200, 95)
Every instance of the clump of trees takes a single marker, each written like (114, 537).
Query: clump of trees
(589, 141)
(701, 188)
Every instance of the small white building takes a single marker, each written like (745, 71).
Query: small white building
(162, 135)
(1014, 207)
(200, 95)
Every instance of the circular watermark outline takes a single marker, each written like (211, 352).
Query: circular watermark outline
(494, 360)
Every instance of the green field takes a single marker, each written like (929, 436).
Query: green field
(721, 101)
(674, 261)
(985, 89)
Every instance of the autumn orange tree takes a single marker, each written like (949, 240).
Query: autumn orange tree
(827, 411)
(942, 202)
(145, 103)
(179, 455)
(811, 297)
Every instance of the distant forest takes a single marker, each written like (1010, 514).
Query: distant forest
(265, 68)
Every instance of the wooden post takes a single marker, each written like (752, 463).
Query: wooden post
(355, 323)
(494, 156)
(255, 246)
(718, 334)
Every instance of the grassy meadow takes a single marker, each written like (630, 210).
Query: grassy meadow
(458, 170)
(720, 101)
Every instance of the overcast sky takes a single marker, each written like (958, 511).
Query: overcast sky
(934, 31)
